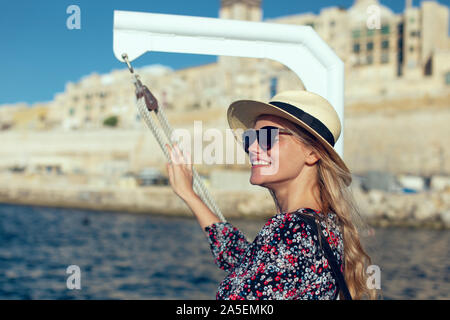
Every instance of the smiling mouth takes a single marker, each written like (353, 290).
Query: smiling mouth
(260, 163)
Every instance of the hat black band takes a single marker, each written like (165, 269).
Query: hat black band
(310, 120)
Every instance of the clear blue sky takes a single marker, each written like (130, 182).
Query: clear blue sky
(39, 55)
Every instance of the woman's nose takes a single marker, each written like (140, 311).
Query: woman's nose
(254, 147)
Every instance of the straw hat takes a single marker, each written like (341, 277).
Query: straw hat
(306, 109)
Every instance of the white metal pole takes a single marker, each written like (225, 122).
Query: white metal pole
(298, 47)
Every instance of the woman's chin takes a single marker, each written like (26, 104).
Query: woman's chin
(255, 180)
(260, 175)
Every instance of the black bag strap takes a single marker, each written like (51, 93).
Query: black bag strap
(338, 276)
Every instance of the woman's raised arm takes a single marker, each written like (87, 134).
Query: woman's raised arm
(180, 178)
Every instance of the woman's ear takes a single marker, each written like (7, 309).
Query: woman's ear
(311, 157)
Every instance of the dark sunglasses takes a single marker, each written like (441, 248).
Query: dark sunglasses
(267, 136)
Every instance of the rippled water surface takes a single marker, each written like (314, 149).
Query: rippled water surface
(125, 256)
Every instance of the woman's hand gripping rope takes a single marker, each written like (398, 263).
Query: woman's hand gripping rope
(181, 179)
(179, 169)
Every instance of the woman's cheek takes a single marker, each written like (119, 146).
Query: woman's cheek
(289, 160)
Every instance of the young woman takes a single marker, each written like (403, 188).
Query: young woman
(311, 245)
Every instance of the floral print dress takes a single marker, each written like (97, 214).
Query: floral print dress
(284, 261)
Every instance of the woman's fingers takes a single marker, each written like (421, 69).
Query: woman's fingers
(170, 172)
(174, 157)
(179, 156)
(187, 157)
(183, 154)
(180, 173)
(176, 153)
(184, 157)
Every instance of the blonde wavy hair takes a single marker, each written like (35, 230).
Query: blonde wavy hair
(337, 197)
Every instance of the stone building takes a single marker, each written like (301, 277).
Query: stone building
(88, 103)
(394, 55)
(386, 56)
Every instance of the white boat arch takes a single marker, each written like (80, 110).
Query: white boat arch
(298, 47)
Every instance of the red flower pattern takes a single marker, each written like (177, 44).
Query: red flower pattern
(283, 262)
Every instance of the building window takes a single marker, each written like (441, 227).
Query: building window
(369, 46)
(428, 68)
(356, 33)
(370, 32)
(411, 49)
(385, 29)
(71, 111)
(273, 86)
(385, 57)
(369, 59)
(87, 107)
(399, 50)
(447, 78)
(385, 44)
(356, 47)
(332, 23)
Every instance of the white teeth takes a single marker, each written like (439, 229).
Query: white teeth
(258, 162)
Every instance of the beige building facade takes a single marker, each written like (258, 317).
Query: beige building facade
(386, 56)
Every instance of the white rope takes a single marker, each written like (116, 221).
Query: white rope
(198, 185)
(203, 190)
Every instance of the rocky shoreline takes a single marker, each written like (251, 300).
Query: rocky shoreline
(428, 209)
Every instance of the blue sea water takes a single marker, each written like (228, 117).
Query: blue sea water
(130, 256)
